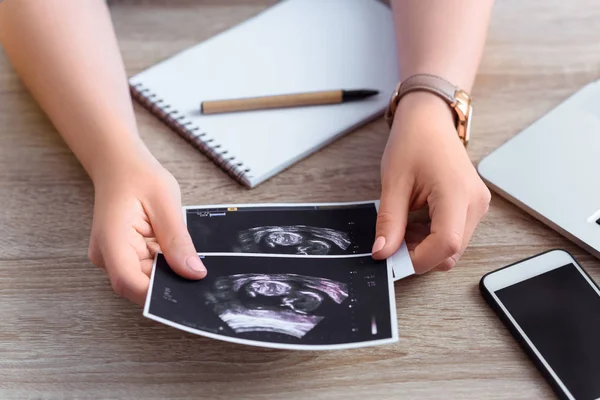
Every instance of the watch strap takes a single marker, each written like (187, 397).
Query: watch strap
(458, 100)
(429, 83)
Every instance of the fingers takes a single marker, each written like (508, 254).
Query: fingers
(448, 220)
(478, 208)
(391, 220)
(448, 263)
(415, 233)
(147, 266)
(123, 267)
(174, 240)
(473, 218)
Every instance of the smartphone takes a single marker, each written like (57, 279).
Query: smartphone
(552, 308)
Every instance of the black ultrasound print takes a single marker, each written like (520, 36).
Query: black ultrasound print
(284, 230)
(293, 301)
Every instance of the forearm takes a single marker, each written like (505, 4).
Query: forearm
(66, 53)
(441, 37)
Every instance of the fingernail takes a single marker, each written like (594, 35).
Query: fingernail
(195, 264)
(378, 245)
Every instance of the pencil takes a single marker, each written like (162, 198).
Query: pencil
(285, 100)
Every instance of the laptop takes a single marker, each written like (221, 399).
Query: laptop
(552, 168)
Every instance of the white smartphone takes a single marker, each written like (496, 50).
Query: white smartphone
(552, 307)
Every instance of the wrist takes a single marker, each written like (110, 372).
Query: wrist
(114, 160)
(422, 105)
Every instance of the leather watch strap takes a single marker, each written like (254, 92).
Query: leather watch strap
(430, 83)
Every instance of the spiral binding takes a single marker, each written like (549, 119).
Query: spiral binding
(190, 132)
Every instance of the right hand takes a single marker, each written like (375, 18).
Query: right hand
(137, 212)
(425, 166)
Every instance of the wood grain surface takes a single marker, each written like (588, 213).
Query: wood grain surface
(64, 334)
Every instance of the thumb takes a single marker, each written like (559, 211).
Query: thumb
(391, 220)
(176, 244)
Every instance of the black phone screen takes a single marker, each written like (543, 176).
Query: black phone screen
(559, 311)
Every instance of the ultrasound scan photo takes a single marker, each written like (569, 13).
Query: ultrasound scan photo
(301, 239)
(278, 301)
(343, 229)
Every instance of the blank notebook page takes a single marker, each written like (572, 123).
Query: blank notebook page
(295, 46)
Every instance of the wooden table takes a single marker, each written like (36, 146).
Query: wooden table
(63, 333)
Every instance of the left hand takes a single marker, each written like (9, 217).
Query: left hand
(425, 163)
(137, 212)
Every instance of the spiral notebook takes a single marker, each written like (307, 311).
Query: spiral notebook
(294, 46)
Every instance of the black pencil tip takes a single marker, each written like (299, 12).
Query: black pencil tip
(351, 95)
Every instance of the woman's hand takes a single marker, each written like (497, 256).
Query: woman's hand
(137, 205)
(425, 163)
(137, 212)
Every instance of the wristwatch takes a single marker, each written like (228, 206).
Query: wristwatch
(458, 100)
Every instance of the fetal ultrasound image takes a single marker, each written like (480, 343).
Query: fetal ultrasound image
(266, 299)
(303, 230)
(278, 303)
(299, 239)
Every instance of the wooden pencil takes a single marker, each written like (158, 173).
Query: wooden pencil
(285, 100)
